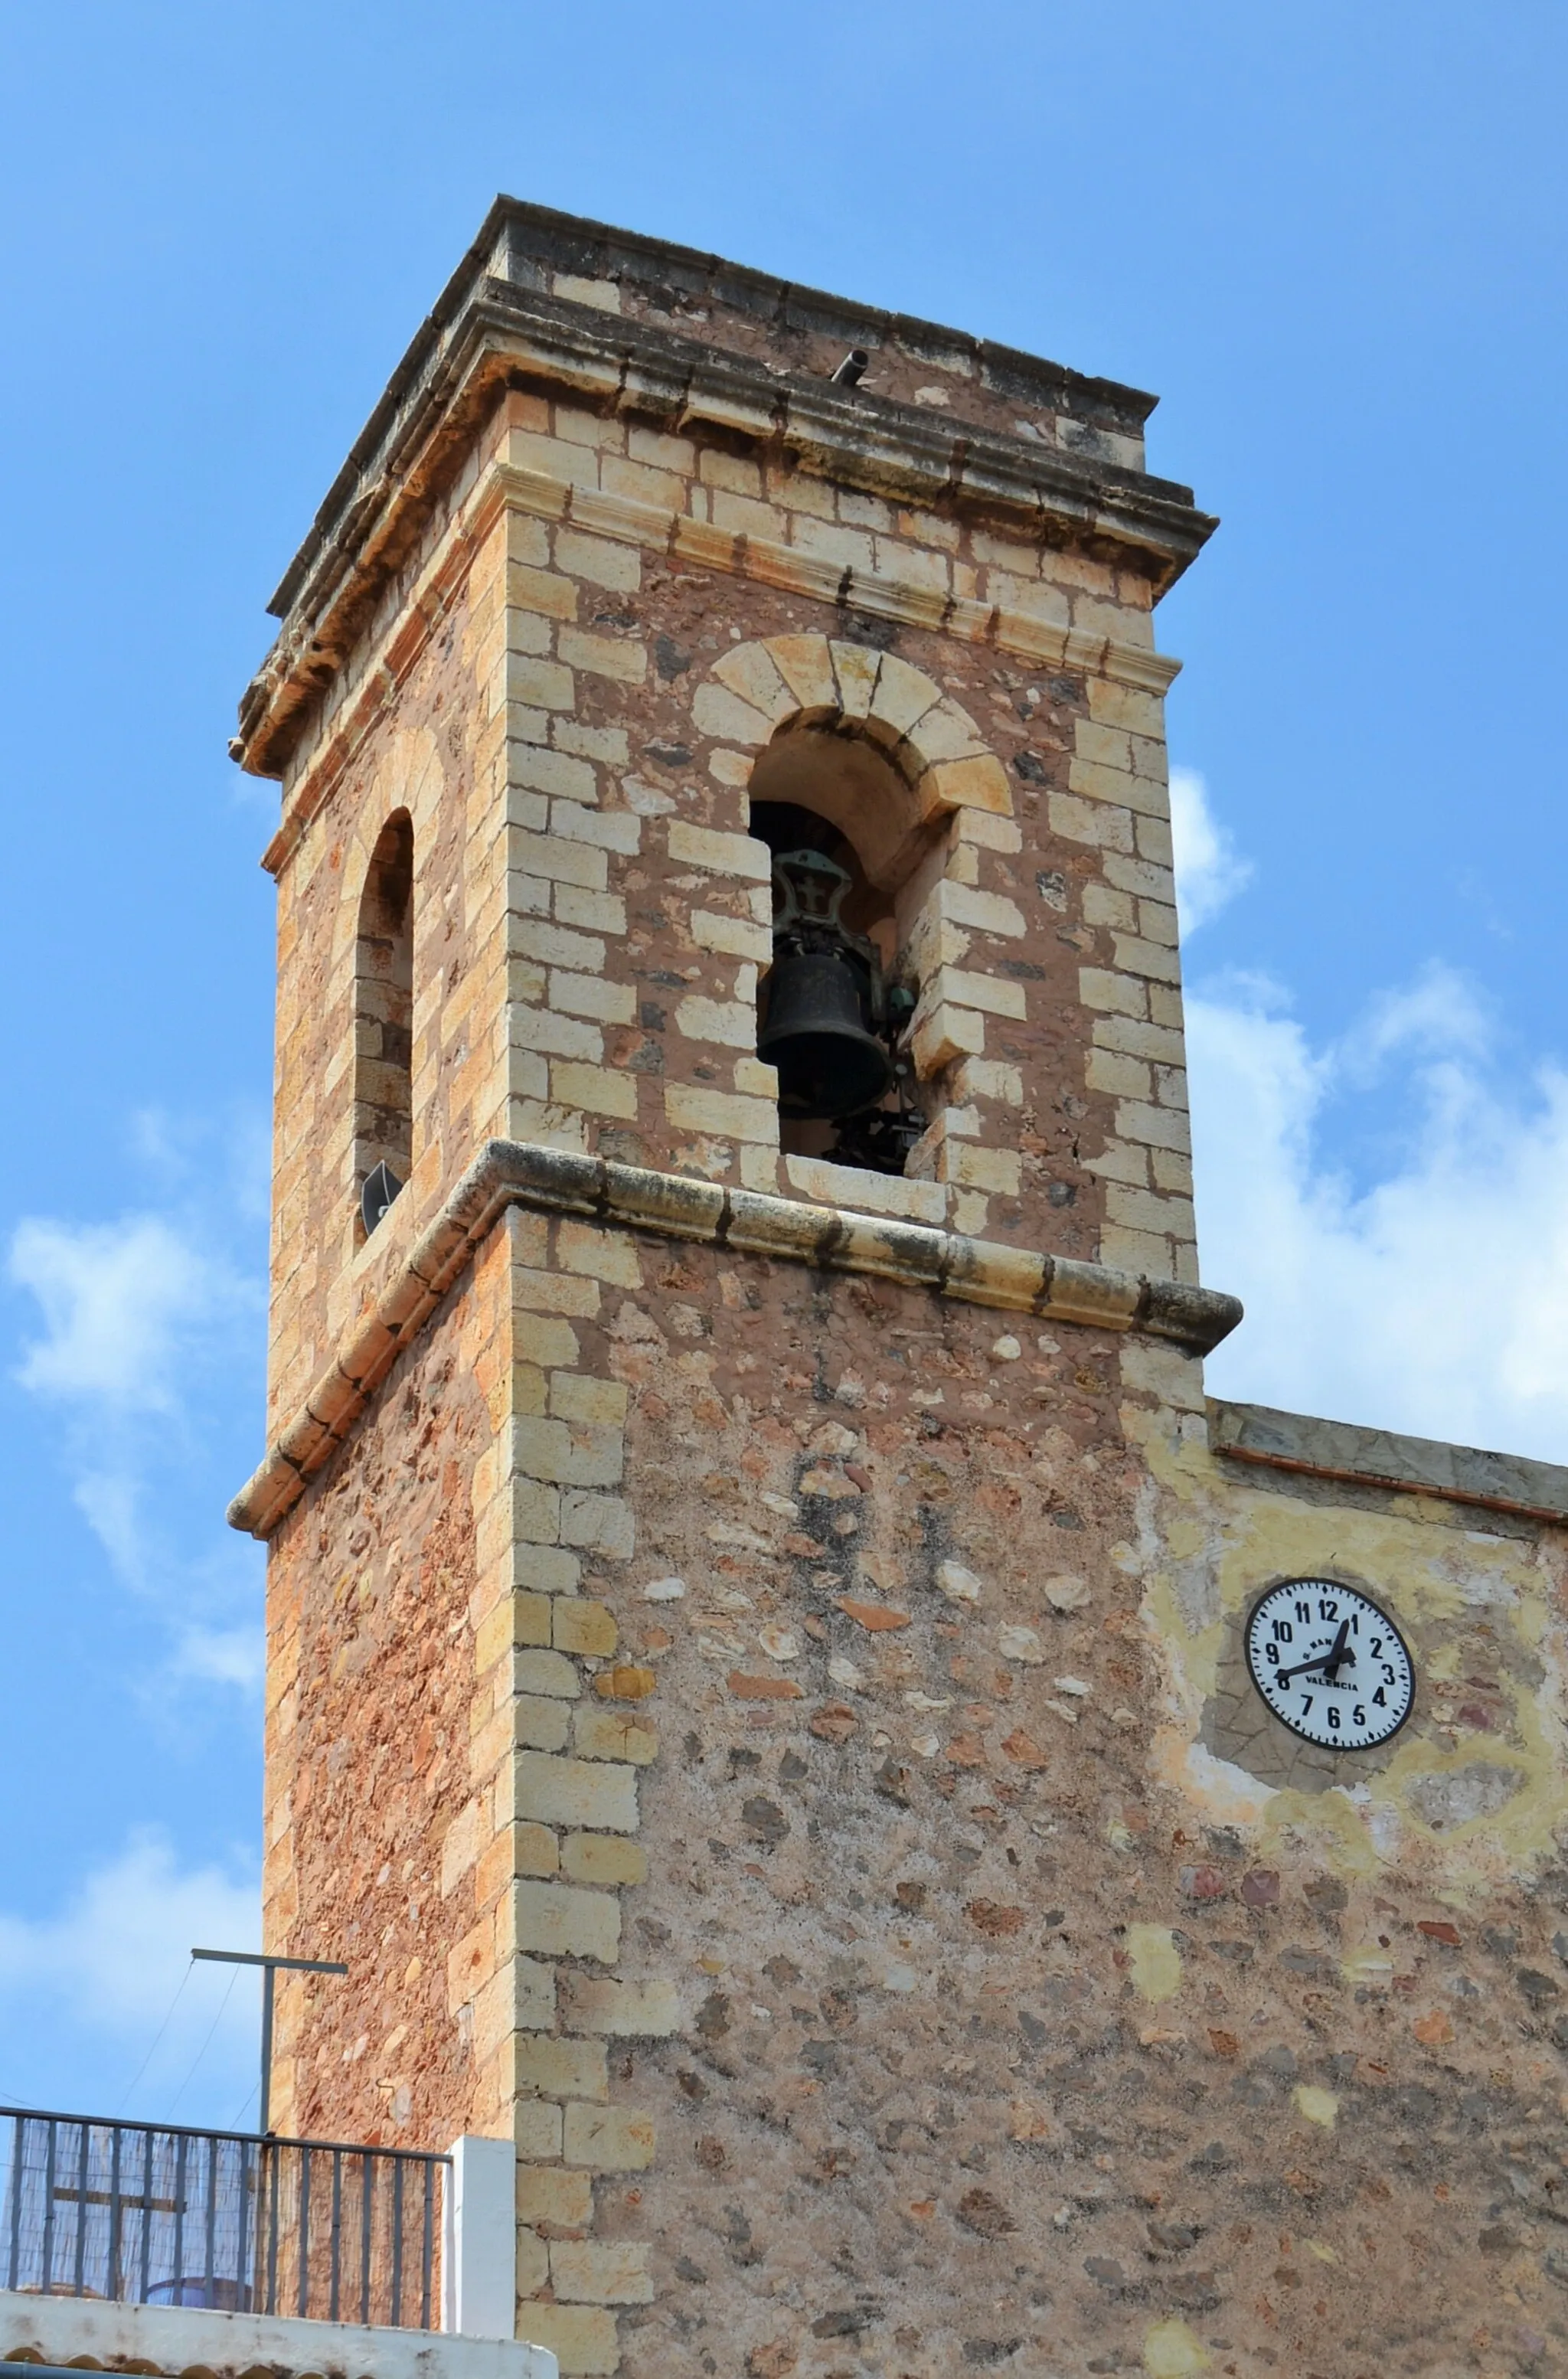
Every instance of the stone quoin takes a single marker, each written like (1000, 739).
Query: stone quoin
(757, 1687)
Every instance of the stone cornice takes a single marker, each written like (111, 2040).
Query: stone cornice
(634, 523)
(1384, 1461)
(669, 1205)
(435, 409)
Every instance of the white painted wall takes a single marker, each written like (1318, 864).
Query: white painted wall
(479, 2267)
(174, 2339)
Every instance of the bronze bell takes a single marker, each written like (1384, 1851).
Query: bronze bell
(822, 996)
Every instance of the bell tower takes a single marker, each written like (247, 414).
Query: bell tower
(683, 1499)
(757, 1689)
(795, 1711)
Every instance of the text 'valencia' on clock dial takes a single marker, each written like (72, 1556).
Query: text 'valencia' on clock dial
(1329, 1663)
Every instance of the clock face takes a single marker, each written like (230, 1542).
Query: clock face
(1329, 1663)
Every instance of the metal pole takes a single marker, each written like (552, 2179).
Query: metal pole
(269, 1983)
(269, 1965)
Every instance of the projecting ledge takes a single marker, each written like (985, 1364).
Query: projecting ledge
(91, 2334)
(1382, 1459)
(669, 1205)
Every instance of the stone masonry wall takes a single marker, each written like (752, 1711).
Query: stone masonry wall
(378, 1767)
(920, 1961)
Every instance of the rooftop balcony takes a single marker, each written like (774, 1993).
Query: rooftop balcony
(159, 2248)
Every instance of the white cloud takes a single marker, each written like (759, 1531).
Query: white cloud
(139, 1320)
(1209, 872)
(121, 1304)
(1432, 1298)
(84, 1991)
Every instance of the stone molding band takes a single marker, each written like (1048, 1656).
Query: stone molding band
(331, 589)
(669, 1205)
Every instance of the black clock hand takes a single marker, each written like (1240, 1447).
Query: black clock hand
(1303, 1669)
(1338, 1655)
(1328, 1660)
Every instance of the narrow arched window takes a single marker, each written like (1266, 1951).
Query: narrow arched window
(384, 1023)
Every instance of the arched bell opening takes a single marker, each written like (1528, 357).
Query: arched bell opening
(383, 1025)
(833, 1009)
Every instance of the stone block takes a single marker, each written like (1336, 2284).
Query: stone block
(987, 1078)
(537, 2127)
(979, 783)
(1135, 956)
(598, 558)
(555, 946)
(576, 1397)
(1155, 1127)
(604, 1860)
(585, 1628)
(1119, 994)
(601, 1524)
(1125, 1078)
(557, 857)
(1105, 827)
(609, 1735)
(734, 937)
(589, 994)
(611, 657)
(540, 1722)
(618, 830)
(561, 2068)
(692, 1108)
(580, 1454)
(547, 1570)
(722, 855)
(583, 2271)
(551, 2198)
(535, 1511)
(806, 665)
(534, 1850)
(1141, 878)
(595, 1089)
(548, 1672)
(583, 2338)
(561, 1920)
(598, 912)
(607, 2139)
(1139, 1211)
(734, 1024)
(996, 1170)
(539, 683)
(599, 1254)
(957, 987)
(532, 2264)
(646, 2010)
(541, 1030)
(943, 1033)
(561, 1792)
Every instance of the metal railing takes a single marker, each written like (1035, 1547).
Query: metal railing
(157, 2214)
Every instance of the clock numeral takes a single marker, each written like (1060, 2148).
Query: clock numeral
(1333, 1716)
(1377, 1645)
(1379, 1699)
(1271, 1652)
(1284, 1632)
(1357, 1715)
(1355, 1623)
(1306, 1704)
(1327, 1610)
(1388, 1672)
(1304, 1613)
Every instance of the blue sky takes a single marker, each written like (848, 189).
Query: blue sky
(1330, 236)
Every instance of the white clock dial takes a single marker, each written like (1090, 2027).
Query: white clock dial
(1329, 1663)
